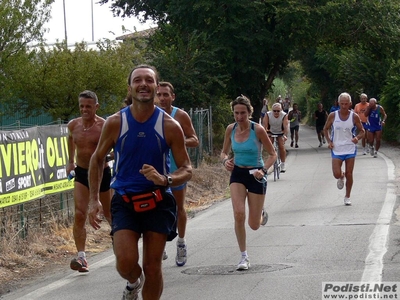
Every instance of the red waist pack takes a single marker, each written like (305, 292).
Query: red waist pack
(143, 202)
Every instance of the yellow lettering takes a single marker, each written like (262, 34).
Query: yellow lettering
(22, 158)
(50, 153)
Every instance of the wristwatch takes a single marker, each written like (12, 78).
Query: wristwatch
(169, 180)
(265, 170)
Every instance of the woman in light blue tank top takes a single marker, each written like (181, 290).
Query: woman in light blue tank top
(246, 139)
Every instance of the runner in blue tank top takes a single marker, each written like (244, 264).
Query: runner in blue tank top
(143, 205)
(247, 167)
(376, 118)
(166, 96)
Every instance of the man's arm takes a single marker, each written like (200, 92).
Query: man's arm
(184, 120)
(327, 128)
(107, 141)
(176, 141)
(384, 115)
(285, 122)
(71, 149)
(361, 131)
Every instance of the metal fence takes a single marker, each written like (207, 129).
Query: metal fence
(20, 219)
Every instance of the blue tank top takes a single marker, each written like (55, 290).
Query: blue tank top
(138, 144)
(249, 152)
(374, 120)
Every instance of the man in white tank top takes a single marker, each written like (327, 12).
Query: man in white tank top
(342, 141)
(276, 122)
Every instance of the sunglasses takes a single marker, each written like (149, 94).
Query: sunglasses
(276, 110)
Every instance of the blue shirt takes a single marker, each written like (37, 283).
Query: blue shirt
(249, 152)
(138, 144)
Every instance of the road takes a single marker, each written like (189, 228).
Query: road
(310, 238)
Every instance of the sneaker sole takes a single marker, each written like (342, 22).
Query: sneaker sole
(78, 267)
(180, 264)
(243, 268)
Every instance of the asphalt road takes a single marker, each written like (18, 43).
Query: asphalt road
(311, 238)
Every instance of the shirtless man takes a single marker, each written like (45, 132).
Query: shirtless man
(83, 136)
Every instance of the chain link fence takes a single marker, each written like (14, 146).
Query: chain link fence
(18, 220)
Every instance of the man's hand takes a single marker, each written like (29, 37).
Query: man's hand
(96, 214)
(151, 174)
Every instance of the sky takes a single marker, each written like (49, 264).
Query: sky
(79, 22)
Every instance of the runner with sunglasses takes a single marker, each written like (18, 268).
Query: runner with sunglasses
(276, 122)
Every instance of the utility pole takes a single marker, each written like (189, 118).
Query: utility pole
(92, 24)
(65, 24)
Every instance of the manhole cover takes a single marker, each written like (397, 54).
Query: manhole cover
(231, 270)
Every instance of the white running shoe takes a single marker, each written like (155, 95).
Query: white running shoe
(347, 201)
(181, 254)
(340, 183)
(165, 254)
(134, 293)
(264, 216)
(376, 154)
(283, 167)
(244, 264)
(365, 151)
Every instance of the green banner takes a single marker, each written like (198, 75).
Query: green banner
(32, 163)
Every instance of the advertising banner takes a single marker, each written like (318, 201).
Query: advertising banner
(32, 163)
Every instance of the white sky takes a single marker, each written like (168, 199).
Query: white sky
(79, 22)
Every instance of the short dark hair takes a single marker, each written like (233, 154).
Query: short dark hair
(89, 95)
(167, 84)
(143, 66)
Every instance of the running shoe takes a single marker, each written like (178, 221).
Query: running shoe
(244, 264)
(367, 148)
(320, 144)
(323, 140)
(181, 254)
(79, 264)
(283, 167)
(264, 216)
(133, 294)
(291, 144)
(372, 150)
(365, 151)
(376, 154)
(297, 146)
(165, 254)
(347, 201)
(340, 183)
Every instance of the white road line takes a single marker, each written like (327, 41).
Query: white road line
(378, 239)
(39, 293)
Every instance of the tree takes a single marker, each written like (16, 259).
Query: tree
(349, 43)
(52, 79)
(21, 22)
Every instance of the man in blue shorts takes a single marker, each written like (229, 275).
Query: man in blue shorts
(166, 96)
(376, 118)
(141, 135)
(339, 134)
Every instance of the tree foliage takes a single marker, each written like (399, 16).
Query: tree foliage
(21, 22)
(52, 79)
(338, 42)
